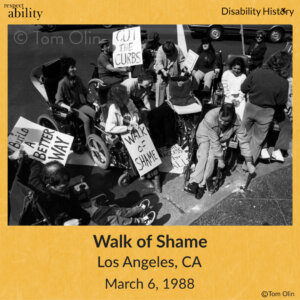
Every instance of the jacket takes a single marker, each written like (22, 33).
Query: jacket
(210, 131)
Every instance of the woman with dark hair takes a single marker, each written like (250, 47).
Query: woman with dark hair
(267, 88)
(122, 113)
(257, 50)
(71, 93)
(122, 117)
(217, 127)
(232, 80)
(206, 66)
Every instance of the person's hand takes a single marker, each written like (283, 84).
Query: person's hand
(72, 222)
(221, 164)
(217, 71)
(164, 72)
(250, 167)
(18, 154)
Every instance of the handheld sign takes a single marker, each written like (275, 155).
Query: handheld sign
(174, 159)
(40, 143)
(190, 60)
(141, 150)
(127, 47)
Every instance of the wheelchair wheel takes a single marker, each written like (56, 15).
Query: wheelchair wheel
(48, 122)
(99, 151)
(124, 180)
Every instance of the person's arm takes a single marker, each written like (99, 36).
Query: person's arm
(181, 58)
(160, 59)
(247, 84)
(35, 180)
(112, 125)
(282, 96)
(225, 83)
(108, 66)
(214, 139)
(60, 94)
(241, 94)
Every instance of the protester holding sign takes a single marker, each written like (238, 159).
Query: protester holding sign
(107, 72)
(122, 118)
(72, 92)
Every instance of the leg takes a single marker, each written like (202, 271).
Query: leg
(160, 91)
(86, 122)
(202, 157)
(208, 78)
(197, 77)
(88, 111)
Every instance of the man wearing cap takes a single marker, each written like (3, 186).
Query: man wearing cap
(106, 71)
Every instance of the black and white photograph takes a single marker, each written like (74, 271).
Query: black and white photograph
(148, 125)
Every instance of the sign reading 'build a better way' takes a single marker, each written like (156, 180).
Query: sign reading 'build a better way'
(40, 143)
(142, 150)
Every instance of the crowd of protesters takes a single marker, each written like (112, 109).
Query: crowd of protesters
(257, 97)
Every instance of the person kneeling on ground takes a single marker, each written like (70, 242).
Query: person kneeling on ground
(115, 215)
(55, 197)
(217, 127)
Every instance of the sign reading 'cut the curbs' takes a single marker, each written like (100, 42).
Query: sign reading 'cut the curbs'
(127, 47)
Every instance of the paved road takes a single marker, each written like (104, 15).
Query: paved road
(29, 47)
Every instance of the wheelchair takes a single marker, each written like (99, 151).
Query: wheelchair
(25, 205)
(108, 149)
(45, 78)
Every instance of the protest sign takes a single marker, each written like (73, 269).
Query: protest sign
(142, 150)
(174, 159)
(190, 60)
(40, 143)
(127, 47)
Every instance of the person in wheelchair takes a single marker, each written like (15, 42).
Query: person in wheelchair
(123, 117)
(55, 197)
(106, 71)
(71, 93)
(206, 67)
(257, 50)
(217, 127)
(232, 80)
(139, 89)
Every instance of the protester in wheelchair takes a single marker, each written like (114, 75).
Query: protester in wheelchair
(122, 113)
(123, 117)
(232, 80)
(206, 67)
(55, 198)
(139, 89)
(71, 93)
(217, 127)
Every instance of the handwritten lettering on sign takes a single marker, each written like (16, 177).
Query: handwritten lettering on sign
(40, 143)
(127, 47)
(142, 150)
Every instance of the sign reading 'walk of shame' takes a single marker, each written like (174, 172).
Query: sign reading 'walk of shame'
(127, 47)
(40, 143)
(141, 150)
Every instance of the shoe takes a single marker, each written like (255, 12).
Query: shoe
(277, 156)
(145, 204)
(210, 186)
(200, 192)
(264, 154)
(156, 183)
(191, 188)
(147, 219)
(147, 183)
